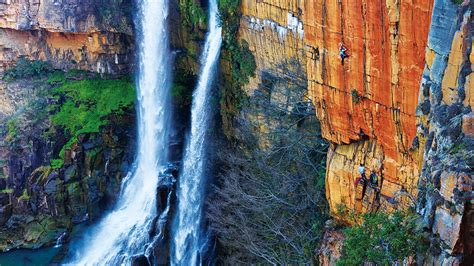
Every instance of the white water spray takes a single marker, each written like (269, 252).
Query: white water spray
(124, 231)
(187, 239)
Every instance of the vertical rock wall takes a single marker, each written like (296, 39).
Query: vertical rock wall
(446, 133)
(89, 35)
(367, 105)
(274, 32)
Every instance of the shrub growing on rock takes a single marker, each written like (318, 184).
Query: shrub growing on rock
(26, 68)
(384, 239)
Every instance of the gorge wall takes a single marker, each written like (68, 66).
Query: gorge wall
(40, 201)
(367, 105)
(401, 104)
(88, 35)
(274, 34)
(407, 118)
(445, 132)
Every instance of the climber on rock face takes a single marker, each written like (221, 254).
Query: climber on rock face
(373, 178)
(362, 175)
(362, 171)
(342, 52)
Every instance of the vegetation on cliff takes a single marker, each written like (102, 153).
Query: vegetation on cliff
(76, 187)
(192, 14)
(242, 62)
(384, 239)
(83, 106)
(26, 68)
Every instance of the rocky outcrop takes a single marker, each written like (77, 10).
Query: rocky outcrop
(101, 52)
(89, 35)
(446, 134)
(67, 16)
(331, 248)
(40, 202)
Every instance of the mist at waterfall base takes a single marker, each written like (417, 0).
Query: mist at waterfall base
(189, 236)
(124, 231)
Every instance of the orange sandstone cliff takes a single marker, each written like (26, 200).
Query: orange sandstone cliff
(403, 92)
(367, 105)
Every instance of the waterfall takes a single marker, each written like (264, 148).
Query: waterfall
(187, 238)
(124, 231)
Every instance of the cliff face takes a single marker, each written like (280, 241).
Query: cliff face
(274, 32)
(371, 108)
(88, 35)
(374, 112)
(39, 201)
(367, 105)
(446, 133)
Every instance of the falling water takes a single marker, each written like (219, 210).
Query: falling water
(187, 239)
(124, 231)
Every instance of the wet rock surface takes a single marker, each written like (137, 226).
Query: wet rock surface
(41, 202)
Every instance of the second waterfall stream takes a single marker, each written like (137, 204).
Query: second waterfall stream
(187, 234)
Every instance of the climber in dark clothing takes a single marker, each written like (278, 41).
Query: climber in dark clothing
(342, 52)
(373, 178)
(362, 178)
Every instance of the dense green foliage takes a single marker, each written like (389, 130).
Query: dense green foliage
(241, 58)
(26, 68)
(184, 82)
(192, 13)
(83, 105)
(243, 64)
(384, 239)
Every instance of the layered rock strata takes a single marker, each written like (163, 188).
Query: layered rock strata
(90, 35)
(274, 32)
